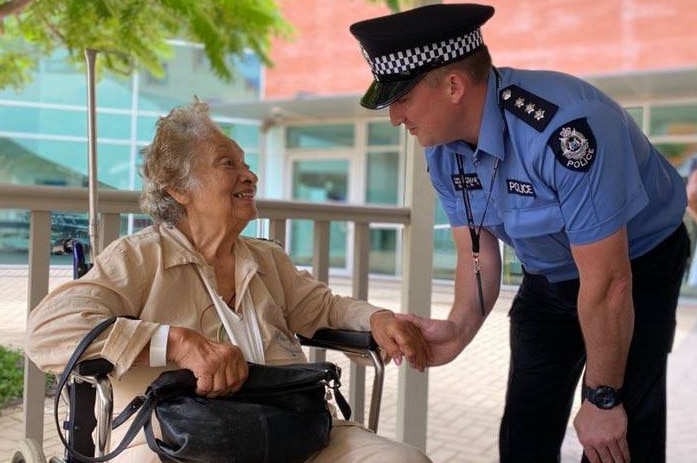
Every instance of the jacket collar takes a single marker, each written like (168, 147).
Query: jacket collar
(177, 250)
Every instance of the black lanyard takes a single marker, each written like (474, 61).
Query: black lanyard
(475, 231)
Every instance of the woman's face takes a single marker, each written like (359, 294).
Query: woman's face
(224, 189)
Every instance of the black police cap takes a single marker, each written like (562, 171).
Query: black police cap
(401, 48)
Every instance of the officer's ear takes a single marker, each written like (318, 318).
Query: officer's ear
(457, 84)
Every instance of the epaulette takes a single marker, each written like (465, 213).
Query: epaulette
(533, 110)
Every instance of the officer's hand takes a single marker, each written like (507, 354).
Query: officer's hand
(220, 369)
(400, 338)
(603, 433)
(441, 336)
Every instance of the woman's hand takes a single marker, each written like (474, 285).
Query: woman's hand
(220, 369)
(400, 338)
(441, 335)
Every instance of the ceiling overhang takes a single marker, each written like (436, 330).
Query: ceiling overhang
(626, 88)
(648, 86)
(304, 108)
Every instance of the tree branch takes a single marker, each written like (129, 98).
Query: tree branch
(12, 7)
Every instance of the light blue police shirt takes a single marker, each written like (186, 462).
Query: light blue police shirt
(563, 164)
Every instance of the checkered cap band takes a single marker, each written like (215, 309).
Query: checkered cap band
(405, 61)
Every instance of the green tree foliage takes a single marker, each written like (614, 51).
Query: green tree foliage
(132, 32)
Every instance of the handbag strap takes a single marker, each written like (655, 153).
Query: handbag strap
(143, 404)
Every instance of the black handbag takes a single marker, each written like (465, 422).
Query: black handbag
(279, 415)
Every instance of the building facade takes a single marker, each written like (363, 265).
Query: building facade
(302, 127)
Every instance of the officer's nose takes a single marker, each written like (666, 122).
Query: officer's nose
(396, 116)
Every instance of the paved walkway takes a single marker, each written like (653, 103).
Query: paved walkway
(465, 397)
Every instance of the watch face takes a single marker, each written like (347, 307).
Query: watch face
(603, 397)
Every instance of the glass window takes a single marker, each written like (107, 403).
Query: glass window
(383, 251)
(320, 136)
(637, 114)
(444, 255)
(114, 168)
(146, 127)
(247, 136)
(382, 178)
(117, 126)
(319, 180)
(673, 120)
(43, 121)
(680, 155)
(23, 165)
(512, 268)
(383, 133)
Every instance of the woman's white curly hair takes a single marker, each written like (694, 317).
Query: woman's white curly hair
(169, 160)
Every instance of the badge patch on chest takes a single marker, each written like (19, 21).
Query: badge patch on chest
(471, 182)
(516, 187)
(574, 145)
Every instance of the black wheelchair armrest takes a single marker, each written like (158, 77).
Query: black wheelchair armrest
(94, 367)
(340, 339)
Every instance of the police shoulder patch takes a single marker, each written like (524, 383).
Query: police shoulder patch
(530, 108)
(574, 145)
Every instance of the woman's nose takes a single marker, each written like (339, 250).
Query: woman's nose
(249, 177)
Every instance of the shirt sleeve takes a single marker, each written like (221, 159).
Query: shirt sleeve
(595, 174)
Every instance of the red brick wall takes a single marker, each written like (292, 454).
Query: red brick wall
(593, 37)
(583, 37)
(323, 58)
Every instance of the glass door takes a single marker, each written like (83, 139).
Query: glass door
(319, 180)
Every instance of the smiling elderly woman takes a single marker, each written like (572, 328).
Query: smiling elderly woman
(204, 297)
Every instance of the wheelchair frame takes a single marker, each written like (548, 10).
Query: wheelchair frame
(90, 396)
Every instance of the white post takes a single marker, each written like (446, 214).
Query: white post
(412, 395)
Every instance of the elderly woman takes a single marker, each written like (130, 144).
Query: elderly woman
(204, 297)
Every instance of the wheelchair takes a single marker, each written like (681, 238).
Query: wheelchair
(89, 399)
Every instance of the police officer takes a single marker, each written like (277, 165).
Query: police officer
(551, 166)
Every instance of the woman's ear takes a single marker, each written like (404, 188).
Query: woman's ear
(179, 196)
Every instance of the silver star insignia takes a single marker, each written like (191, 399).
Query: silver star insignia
(530, 108)
(519, 102)
(539, 114)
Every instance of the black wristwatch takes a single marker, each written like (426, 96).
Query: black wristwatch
(604, 397)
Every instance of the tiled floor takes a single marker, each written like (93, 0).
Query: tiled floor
(465, 397)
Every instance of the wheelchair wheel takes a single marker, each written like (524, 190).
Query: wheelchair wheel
(28, 451)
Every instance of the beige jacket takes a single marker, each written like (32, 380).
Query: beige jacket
(152, 275)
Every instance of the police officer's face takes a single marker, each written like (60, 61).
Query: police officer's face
(428, 112)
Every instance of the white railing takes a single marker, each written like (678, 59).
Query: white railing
(416, 274)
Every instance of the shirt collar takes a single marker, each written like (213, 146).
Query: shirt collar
(491, 130)
(177, 250)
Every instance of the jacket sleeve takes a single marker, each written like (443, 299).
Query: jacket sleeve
(113, 287)
(310, 304)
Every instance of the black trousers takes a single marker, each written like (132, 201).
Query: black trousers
(548, 358)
